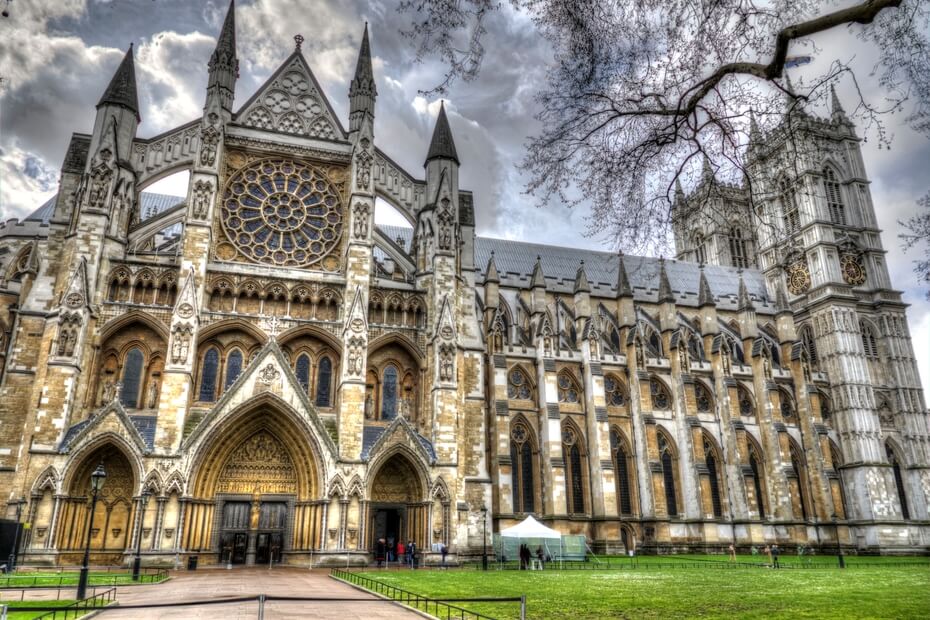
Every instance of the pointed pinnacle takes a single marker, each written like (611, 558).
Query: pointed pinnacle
(706, 171)
(538, 279)
(442, 146)
(679, 192)
(364, 75)
(835, 105)
(122, 88)
(623, 281)
(490, 274)
(705, 296)
(665, 288)
(781, 299)
(754, 133)
(581, 280)
(744, 301)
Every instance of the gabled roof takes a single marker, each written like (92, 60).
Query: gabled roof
(122, 88)
(292, 101)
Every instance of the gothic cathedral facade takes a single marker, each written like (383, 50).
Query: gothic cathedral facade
(265, 374)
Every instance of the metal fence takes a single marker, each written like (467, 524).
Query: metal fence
(440, 608)
(69, 578)
(74, 610)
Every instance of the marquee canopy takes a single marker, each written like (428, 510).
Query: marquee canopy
(530, 528)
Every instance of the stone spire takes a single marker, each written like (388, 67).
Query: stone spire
(707, 173)
(490, 274)
(705, 296)
(781, 299)
(581, 280)
(224, 65)
(623, 281)
(442, 146)
(362, 89)
(538, 279)
(744, 302)
(122, 88)
(755, 135)
(838, 113)
(679, 192)
(665, 288)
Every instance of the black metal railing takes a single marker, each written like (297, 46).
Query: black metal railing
(74, 610)
(440, 608)
(67, 577)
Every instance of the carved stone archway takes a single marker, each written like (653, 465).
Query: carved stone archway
(398, 506)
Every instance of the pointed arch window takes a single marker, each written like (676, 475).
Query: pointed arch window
(868, 341)
(613, 392)
(800, 474)
(788, 411)
(661, 401)
(569, 392)
(324, 379)
(700, 251)
(746, 407)
(132, 378)
(837, 459)
(755, 465)
(518, 385)
(622, 468)
(667, 460)
(522, 461)
(789, 206)
(738, 254)
(807, 337)
(211, 366)
(574, 469)
(835, 204)
(233, 368)
(302, 371)
(710, 459)
(389, 393)
(898, 480)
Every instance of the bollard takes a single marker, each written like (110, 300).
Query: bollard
(261, 607)
(3, 613)
(523, 607)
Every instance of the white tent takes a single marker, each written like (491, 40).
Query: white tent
(530, 528)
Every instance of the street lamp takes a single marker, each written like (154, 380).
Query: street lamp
(96, 483)
(484, 539)
(839, 548)
(137, 563)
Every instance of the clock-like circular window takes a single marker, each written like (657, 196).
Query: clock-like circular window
(282, 212)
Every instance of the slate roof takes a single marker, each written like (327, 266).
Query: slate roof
(515, 261)
(442, 146)
(145, 424)
(122, 88)
(371, 434)
(152, 205)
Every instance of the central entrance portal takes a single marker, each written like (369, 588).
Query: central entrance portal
(388, 523)
(252, 532)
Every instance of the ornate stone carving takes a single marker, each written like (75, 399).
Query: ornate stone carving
(447, 353)
(181, 343)
(151, 399)
(260, 465)
(363, 159)
(111, 390)
(269, 374)
(360, 214)
(356, 357)
(446, 224)
(209, 140)
(69, 327)
(99, 186)
(200, 197)
(74, 300)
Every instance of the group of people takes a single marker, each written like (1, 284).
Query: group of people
(387, 550)
(530, 560)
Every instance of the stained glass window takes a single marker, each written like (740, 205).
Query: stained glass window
(660, 398)
(233, 368)
(518, 385)
(898, 480)
(282, 212)
(746, 408)
(787, 405)
(668, 476)
(302, 370)
(757, 482)
(613, 392)
(389, 394)
(132, 379)
(521, 458)
(702, 398)
(324, 380)
(211, 365)
(622, 466)
(710, 460)
(568, 389)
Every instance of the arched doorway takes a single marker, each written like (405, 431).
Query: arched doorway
(398, 510)
(111, 532)
(253, 491)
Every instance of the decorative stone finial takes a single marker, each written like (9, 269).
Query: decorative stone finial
(299, 40)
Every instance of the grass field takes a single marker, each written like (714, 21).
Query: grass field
(664, 587)
(29, 615)
(38, 579)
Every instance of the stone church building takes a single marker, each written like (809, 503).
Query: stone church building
(267, 375)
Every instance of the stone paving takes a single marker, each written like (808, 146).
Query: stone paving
(244, 582)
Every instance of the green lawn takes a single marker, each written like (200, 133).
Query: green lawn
(29, 579)
(29, 615)
(655, 590)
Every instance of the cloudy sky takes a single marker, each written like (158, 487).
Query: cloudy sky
(56, 57)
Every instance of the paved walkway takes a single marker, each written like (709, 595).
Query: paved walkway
(219, 583)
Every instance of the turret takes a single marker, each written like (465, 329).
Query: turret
(707, 307)
(117, 114)
(362, 90)
(626, 311)
(224, 67)
(747, 311)
(668, 313)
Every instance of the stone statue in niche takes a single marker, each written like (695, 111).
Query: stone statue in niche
(255, 512)
(209, 139)
(684, 358)
(360, 220)
(357, 348)
(181, 344)
(201, 199)
(446, 362)
(363, 161)
(446, 222)
(766, 367)
(725, 363)
(640, 354)
(99, 187)
(369, 407)
(152, 396)
(111, 390)
(68, 335)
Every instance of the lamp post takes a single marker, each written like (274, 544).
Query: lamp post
(137, 563)
(484, 539)
(96, 483)
(11, 562)
(839, 548)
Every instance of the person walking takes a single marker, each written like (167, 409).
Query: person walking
(541, 557)
(401, 551)
(775, 552)
(768, 552)
(444, 550)
(412, 554)
(380, 549)
(732, 553)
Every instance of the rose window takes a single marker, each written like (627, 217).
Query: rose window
(282, 213)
